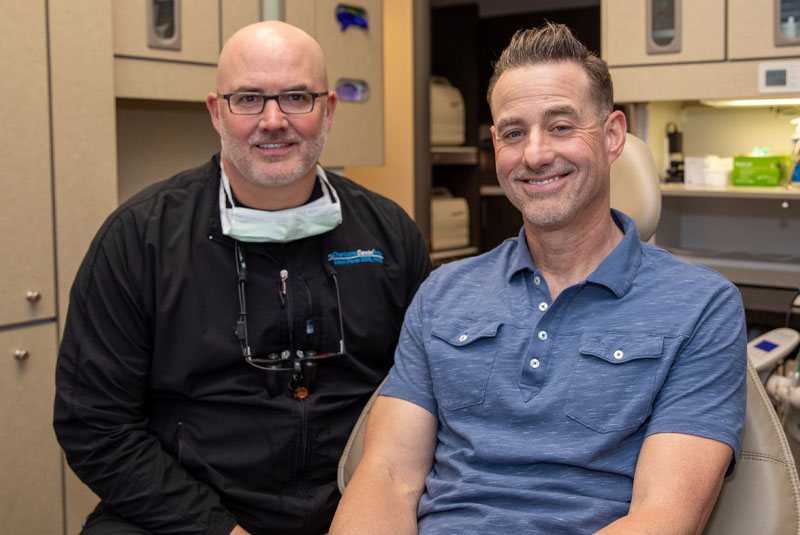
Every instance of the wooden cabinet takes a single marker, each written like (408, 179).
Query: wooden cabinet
(755, 31)
(723, 44)
(30, 492)
(30, 473)
(27, 277)
(699, 32)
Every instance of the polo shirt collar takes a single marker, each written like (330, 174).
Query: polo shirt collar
(616, 272)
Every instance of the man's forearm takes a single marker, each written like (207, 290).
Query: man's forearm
(373, 504)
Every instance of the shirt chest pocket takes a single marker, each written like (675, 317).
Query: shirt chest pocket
(613, 385)
(461, 357)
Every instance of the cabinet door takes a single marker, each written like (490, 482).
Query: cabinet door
(700, 32)
(195, 30)
(752, 27)
(353, 54)
(26, 242)
(30, 474)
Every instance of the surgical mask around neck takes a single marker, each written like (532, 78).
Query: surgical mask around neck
(279, 226)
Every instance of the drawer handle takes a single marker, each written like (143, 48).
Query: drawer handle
(21, 354)
(33, 296)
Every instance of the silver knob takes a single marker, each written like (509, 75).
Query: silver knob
(32, 296)
(785, 205)
(21, 354)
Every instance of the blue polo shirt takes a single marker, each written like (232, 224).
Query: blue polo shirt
(543, 405)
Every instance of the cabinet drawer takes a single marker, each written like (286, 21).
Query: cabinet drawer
(701, 32)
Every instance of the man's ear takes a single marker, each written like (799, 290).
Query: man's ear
(212, 104)
(615, 128)
(332, 99)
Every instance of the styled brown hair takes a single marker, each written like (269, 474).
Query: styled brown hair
(554, 43)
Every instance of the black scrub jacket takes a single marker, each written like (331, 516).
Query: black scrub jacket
(156, 408)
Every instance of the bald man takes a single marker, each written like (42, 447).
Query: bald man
(227, 325)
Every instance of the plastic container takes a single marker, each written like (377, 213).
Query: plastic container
(751, 170)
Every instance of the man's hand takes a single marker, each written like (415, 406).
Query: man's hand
(239, 530)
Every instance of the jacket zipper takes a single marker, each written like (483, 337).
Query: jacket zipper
(301, 469)
(286, 299)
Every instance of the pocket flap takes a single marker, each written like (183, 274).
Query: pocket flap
(461, 333)
(618, 348)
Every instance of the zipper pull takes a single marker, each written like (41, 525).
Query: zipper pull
(282, 291)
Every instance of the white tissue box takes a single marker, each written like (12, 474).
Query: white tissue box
(708, 170)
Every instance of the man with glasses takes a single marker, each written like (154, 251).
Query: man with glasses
(228, 324)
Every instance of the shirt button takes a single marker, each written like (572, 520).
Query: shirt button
(534, 363)
(462, 338)
(542, 306)
(618, 354)
(537, 281)
(542, 335)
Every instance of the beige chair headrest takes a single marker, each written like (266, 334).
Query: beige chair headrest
(635, 186)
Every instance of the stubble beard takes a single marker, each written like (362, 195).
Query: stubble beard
(237, 153)
(541, 210)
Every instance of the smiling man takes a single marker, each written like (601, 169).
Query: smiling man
(573, 380)
(227, 325)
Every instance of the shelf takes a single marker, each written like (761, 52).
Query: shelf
(746, 269)
(447, 155)
(787, 192)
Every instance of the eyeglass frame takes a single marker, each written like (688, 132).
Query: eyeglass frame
(276, 98)
(284, 361)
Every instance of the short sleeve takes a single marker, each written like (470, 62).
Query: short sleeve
(704, 393)
(410, 377)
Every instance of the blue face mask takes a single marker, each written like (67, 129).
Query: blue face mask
(279, 226)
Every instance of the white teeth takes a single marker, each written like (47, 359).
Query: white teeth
(542, 182)
(272, 145)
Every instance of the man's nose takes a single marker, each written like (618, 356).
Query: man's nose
(272, 118)
(538, 150)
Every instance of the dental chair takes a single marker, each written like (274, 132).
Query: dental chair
(762, 497)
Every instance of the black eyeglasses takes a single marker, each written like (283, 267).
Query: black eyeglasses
(301, 363)
(289, 102)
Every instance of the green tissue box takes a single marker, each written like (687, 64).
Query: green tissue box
(759, 170)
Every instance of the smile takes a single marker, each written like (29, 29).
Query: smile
(534, 182)
(272, 145)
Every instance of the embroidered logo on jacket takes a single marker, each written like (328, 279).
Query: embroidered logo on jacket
(358, 256)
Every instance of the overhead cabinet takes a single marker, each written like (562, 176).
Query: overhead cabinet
(698, 49)
(651, 32)
(763, 29)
